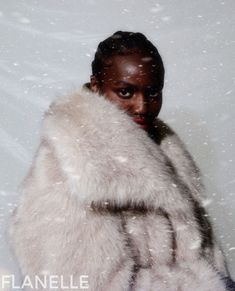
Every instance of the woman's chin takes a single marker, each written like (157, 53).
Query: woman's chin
(144, 126)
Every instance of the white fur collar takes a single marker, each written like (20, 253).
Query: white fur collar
(106, 156)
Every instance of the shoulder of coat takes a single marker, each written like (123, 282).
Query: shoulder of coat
(162, 131)
(167, 138)
(71, 107)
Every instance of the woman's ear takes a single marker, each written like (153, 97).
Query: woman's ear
(94, 85)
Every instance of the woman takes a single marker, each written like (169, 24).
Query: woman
(112, 193)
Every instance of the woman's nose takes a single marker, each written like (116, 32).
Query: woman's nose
(140, 105)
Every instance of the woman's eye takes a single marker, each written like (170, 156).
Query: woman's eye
(125, 93)
(153, 93)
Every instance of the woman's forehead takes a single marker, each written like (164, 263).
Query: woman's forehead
(135, 58)
(133, 65)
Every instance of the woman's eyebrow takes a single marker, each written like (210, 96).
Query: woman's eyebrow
(127, 84)
(124, 83)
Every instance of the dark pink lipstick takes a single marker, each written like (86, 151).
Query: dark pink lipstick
(142, 121)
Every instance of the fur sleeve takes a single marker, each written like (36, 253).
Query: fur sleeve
(182, 161)
(51, 233)
(186, 168)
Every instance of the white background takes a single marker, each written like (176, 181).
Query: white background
(46, 50)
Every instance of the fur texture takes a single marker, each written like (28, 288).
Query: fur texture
(104, 199)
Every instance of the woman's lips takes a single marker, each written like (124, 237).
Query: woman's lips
(141, 121)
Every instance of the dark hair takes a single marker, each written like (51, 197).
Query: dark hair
(124, 43)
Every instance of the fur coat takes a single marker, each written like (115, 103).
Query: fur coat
(106, 200)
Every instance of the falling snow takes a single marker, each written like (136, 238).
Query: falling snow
(46, 50)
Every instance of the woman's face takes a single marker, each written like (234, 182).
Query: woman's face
(132, 81)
